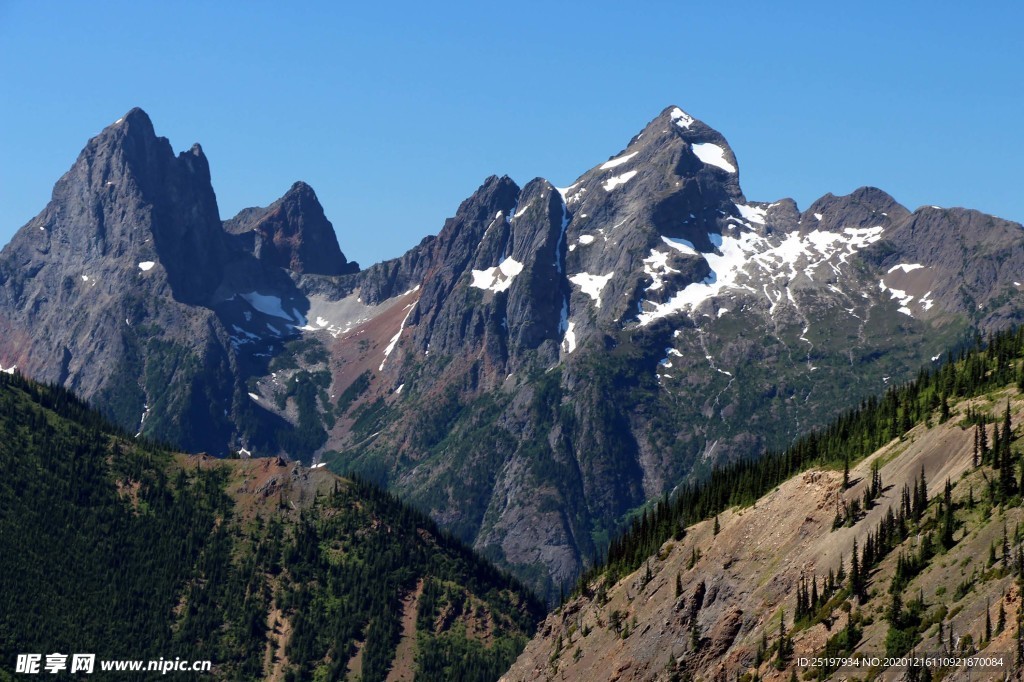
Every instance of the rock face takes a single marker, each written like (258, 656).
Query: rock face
(116, 268)
(292, 233)
(550, 360)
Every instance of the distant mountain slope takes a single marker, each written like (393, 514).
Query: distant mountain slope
(549, 361)
(271, 570)
(934, 517)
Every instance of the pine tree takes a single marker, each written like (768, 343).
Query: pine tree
(784, 643)
(947, 521)
(1020, 642)
(1007, 427)
(717, 527)
(983, 442)
(855, 578)
(974, 454)
(997, 450)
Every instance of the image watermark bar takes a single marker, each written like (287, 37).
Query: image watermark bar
(35, 664)
(987, 662)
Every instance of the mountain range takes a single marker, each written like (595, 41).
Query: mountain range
(549, 362)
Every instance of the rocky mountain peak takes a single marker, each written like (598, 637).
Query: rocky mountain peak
(293, 233)
(128, 201)
(864, 207)
(135, 122)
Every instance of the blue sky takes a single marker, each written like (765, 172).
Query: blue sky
(395, 112)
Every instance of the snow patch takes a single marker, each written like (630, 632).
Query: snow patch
(586, 239)
(8, 370)
(146, 265)
(569, 340)
(592, 285)
(741, 256)
(712, 155)
(399, 389)
(752, 214)
(394, 339)
(498, 278)
(681, 118)
(903, 297)
(905, 267)
(271, 305)
(254, 397)
(818, 216)
(617, 162)
(565, 191)
(681, 245)
(656, 267)
(614, 182)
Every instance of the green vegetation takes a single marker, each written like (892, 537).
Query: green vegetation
(307, 390)
(114, 546)
(356, 389)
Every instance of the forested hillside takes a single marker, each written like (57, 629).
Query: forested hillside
(115, 546)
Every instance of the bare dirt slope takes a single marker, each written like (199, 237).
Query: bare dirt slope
(747, 576)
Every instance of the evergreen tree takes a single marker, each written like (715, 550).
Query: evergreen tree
(947, 517)
(983, 442)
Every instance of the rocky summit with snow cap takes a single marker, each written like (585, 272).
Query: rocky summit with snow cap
(552, 359)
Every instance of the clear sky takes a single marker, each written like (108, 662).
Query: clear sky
(396, 111)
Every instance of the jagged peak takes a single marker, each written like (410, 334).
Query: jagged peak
(293, 232)
(301, 188)
(678, 116)
(136, 124)
(136, 117)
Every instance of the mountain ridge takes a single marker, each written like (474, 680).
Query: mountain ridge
(547, 362)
